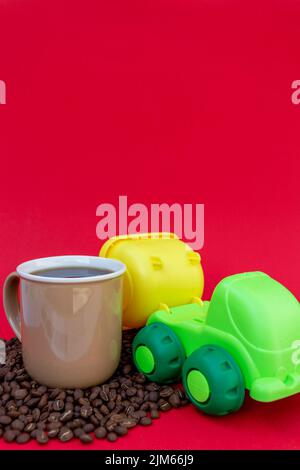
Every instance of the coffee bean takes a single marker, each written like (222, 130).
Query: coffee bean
(65, 434)
(129, 422)
(53, 433)
(86, 438)
(100, 432)
(78, 432)
(54, 393)
(17, 425)
(66, 416)
(121, 430)
(78, 394)
(32, 402)
(146, 421)
(10, 435)
(88, 428)
(23, 410)
(54, 425)
(36, 414)
(154, 414)
(166, 392)
(84, 402)
(153, 396)
(127, 369)
(174, 400)
(30, 427)
(43, 401)
(41, 436)
(86, 411)
(20, 393)
(58, 405)
(23, 438)
(112, 436)
(164, 405)
(4, 419)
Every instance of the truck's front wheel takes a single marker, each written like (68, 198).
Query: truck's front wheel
(213, 381)
(158, 353)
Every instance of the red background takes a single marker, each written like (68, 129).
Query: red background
(183, 101)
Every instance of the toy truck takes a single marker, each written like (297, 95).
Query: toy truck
(246, 337)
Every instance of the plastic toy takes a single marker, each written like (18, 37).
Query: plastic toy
(161, 269)
(247, 336)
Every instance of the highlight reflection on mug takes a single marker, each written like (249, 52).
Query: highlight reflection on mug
(2, 352)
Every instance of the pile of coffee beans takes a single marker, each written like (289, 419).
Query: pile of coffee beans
(29, 410)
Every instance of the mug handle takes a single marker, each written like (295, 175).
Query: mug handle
(11, 302)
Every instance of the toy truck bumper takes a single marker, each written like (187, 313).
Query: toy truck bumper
(268, 389)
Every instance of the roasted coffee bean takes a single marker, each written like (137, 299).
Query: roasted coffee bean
(54, 393)
(23, 438)
(174, 400)
(164, 405)
(10, 435)
(112, 436)
(53, 433)
(20, 394)
(94, 421)
(154, 414)
(121, 430)
(127, 369)
(41, 425)
(40, 436)
(66, 416)
(78, 394)
(54, 425)
(166, 392)
(84, 402)
(4, 419)
(30, 427)
(58, 405)
(146, 421)
(32, 402)
(86, 438)
(65, 434)
(86, 411)
(88, 428)
(43, 401)
(23, 410)
(100, 432)
(36, 414)
(129, 422)
(110, 425)
(78, 432)
(153, 396)
(17, 425)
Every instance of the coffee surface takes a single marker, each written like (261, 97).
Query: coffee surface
(71, 272)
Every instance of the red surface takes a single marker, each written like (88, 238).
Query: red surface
(165, 101)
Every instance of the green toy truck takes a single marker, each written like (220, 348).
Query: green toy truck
(246, 337)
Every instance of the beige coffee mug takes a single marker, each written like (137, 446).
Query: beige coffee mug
(70, 327)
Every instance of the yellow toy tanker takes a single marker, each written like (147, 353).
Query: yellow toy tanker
(161, 269)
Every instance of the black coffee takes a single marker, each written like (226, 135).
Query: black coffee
(72, 271)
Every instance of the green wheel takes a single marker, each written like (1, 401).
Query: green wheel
(158, 353)
(213, 381)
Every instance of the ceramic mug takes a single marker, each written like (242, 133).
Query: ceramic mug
(70, 327)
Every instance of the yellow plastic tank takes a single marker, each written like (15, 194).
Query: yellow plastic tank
(161, 271)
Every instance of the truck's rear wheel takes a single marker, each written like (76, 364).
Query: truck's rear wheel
(213, 380)
(158, 353)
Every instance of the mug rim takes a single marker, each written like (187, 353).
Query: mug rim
(25, 269)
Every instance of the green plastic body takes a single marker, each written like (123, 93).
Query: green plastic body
(255, 319)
